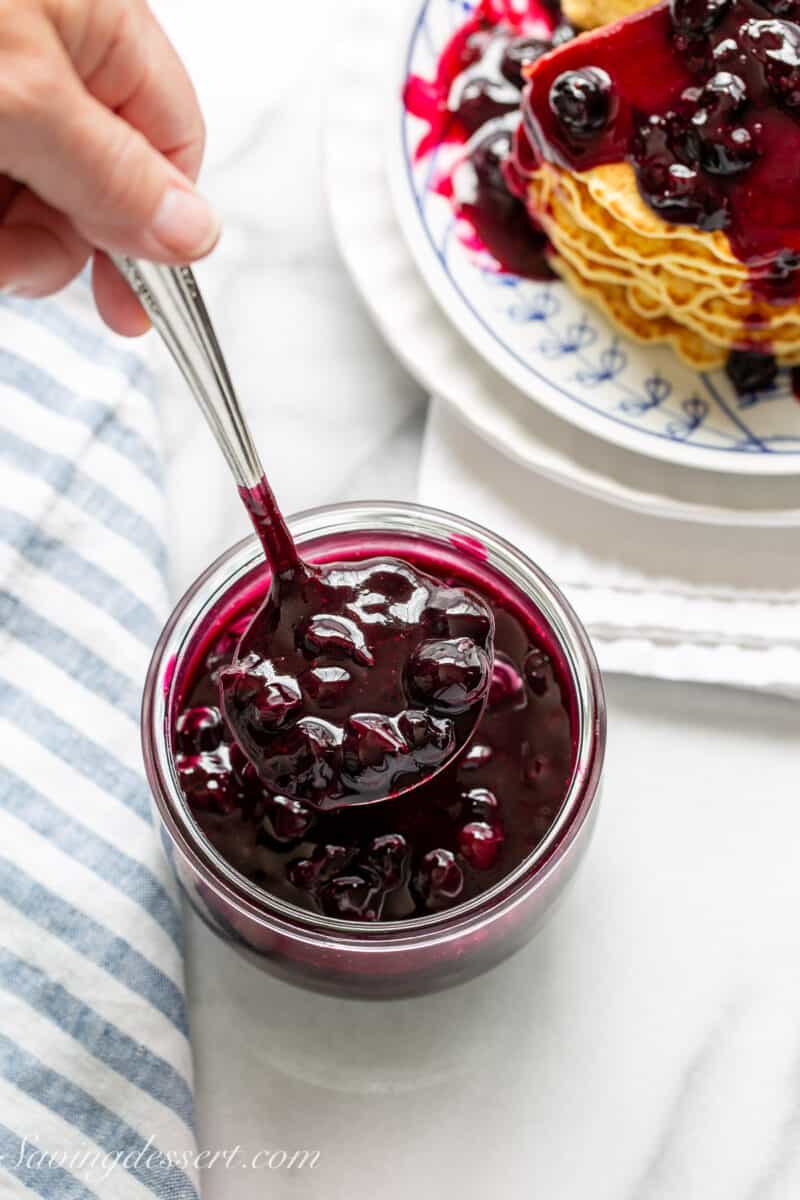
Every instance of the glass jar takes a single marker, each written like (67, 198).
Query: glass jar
(352, 957)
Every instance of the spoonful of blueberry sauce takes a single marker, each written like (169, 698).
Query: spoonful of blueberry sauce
(353, 682)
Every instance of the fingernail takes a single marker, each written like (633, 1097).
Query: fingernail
(185, 224)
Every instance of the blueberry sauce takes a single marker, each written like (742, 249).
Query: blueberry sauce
(351, 682)
(355, 680)
(702, 97)
(751, 371)
(471, 110)
(452, 837)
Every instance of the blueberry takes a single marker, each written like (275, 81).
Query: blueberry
(388, 855)
(326, 685)
(439, 879)
(657, 142)
(483, 100)
(286, 820)
(712, 139)
(276, 700)
(198, 729)
(478, 755)
(378, 749)
(388, 594)
(488, 157)
(678, 192)
(729, 152)
(390, 581)
(326, 861)
(726, 52)
(302, 874)
(581, 101)
(695, 18)
(520, 53)
(306, 760)
(751, 371)
(775, 46)
(723, 95)
(355, 897)
(538, 671)
(369, 738)
(207, 781)
(452, 612)
(334, 635)
(481, 804)
(431, 739)
(507, 688)
(450, 676)
(253, 692)
(480, 843)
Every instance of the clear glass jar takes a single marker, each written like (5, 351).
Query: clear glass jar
(359, 958)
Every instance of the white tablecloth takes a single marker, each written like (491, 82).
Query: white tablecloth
(647, 1043)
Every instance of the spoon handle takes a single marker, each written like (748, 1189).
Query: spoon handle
(173, 302)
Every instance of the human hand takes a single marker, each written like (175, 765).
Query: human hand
(101, 138)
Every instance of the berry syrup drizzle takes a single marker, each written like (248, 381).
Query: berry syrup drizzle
(702, 97)
(455, 835)
(471, 109)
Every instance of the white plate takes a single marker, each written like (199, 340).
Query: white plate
(549, 343)
(382, 268)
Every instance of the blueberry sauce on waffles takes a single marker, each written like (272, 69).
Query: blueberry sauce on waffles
(701, 97)
(471, 109)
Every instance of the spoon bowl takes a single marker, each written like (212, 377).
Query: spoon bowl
(357, 682)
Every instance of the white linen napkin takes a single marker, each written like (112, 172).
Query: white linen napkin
(673, 600)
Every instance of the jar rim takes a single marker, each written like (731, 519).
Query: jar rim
(473, 541)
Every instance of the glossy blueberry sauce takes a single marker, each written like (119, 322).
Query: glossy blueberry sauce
(703, 98)
(352, 681)
(471, 109)
(443, 843)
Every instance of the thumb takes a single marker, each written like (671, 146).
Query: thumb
(120, 193)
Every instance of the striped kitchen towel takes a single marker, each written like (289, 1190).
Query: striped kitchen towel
(95, 1064)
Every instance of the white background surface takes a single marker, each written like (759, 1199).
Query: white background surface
(648, 1043)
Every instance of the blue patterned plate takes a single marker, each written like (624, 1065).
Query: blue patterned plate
(557, 349)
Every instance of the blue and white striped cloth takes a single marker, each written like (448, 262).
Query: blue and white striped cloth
(95, 1063)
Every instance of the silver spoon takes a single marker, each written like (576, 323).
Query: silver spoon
(172, 300)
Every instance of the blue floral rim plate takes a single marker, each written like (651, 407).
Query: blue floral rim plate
(552, 345)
